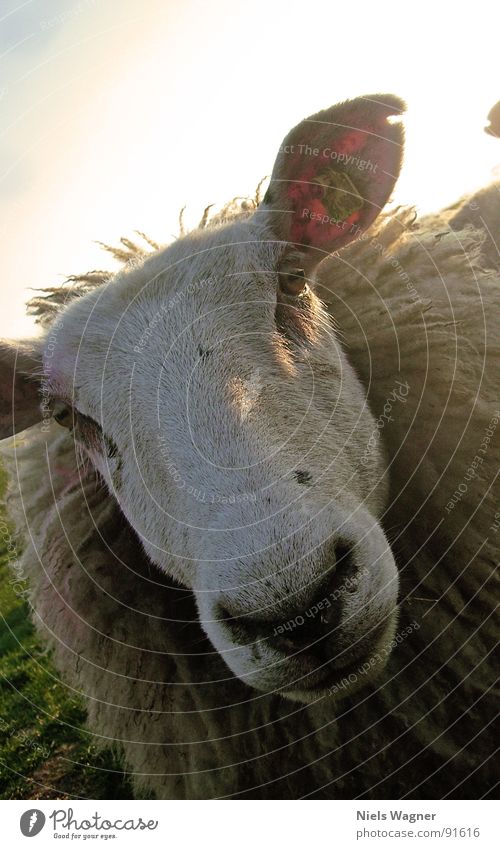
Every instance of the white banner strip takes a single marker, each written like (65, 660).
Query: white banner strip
(247, 824)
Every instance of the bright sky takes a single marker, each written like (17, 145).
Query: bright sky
(116, 113)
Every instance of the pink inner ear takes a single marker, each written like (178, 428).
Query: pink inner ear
(314, 228)
(338, 190)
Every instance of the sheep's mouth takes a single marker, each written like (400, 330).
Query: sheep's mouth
(339, 682)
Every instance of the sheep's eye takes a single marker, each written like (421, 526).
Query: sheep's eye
(86, 430)
(293, 282)
(63, 414)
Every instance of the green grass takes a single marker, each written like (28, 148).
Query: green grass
(45, 752)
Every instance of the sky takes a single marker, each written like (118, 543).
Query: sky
(114, 114)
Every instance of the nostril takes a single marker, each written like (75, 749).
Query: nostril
(346, 568)
(288, 636)
(224, 616)
(242, 627)
(312, 625)
(342, 550)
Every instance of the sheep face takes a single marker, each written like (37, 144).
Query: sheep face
(208, 388)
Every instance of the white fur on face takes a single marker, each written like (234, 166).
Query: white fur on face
(238, 429)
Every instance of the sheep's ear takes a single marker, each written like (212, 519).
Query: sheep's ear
(333, 174)
(19, 387)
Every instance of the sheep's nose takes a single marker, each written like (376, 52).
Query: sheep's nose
(300, 629)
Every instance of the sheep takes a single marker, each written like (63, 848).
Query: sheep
(212, 525)
(493, 126)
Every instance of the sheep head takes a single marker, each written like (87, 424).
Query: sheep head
(208, 388)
